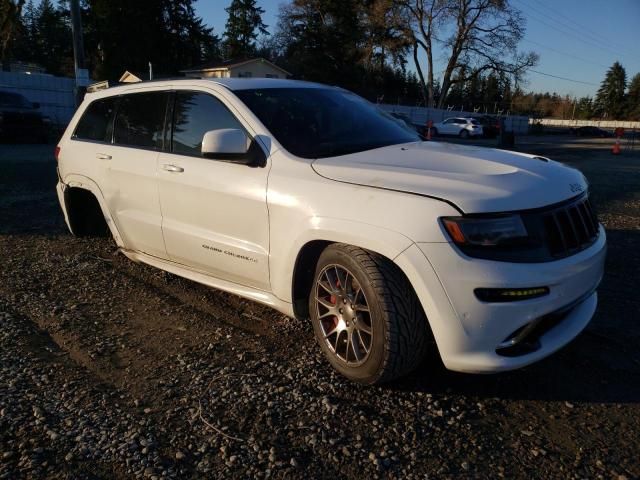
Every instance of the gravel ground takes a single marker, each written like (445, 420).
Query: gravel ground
(111, 369)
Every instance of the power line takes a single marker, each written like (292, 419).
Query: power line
(561, 78)
(571, 34)
(582, 32)
(564, 53)
(583, 28)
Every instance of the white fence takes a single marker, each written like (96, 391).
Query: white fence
(553, 122)
(420, 115)
(54, 94)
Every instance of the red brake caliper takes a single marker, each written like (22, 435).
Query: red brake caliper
(334, 300)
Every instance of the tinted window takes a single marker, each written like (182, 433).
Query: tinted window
(140, 120)
(194, 115)
(97, 121)
(450, 120)
(324, 122)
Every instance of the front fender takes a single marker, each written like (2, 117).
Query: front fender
(285, 249)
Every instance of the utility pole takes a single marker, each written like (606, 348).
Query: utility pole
(82, 74)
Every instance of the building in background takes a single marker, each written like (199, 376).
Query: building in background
(247, 68)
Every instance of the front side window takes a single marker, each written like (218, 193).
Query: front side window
(324, 122)
(96, 123)
(195, 114)
(140, 120)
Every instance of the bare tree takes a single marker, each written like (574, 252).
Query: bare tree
(10, 11)
(476, 36)
(424, 17)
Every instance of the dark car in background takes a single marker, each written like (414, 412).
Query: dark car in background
(21, 120)
(589, 131)
(406, 121)
(490, 125)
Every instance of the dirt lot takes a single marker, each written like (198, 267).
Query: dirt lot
(111, 369)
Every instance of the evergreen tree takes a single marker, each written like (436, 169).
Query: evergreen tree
(167, 33)
(584, 108)
(610, 97)
(243, 26)
(50, 39)
(633, 98)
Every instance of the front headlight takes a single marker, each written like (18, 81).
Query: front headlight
(486, 231)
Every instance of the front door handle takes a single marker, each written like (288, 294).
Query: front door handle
(172, 168)
(103, 156)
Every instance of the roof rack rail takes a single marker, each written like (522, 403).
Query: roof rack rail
(104, 84)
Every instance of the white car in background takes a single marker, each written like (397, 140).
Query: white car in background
(463, 127)
(309, 199)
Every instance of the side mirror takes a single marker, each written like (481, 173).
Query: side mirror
(225, 141)
(232, 145)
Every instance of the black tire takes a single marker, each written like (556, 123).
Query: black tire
(464, 134)
(434, 132)
(397, 321)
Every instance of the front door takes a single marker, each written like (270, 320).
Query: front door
(214, 213)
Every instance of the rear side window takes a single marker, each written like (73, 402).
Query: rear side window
(195, 114)
(96, 123)
(140, 120)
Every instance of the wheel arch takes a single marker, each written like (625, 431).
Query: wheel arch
(384, 242)
(74, 183)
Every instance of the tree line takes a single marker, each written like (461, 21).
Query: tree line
(381, 49)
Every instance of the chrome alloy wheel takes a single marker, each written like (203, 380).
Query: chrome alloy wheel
(343, 314)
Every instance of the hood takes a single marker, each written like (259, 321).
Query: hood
(475, 179)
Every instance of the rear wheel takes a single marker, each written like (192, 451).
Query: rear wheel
(464, 134)
(366, 316)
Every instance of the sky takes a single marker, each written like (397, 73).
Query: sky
(576, 39)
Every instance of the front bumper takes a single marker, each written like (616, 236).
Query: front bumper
(469, 332)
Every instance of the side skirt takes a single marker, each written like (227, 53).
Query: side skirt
(249, 293)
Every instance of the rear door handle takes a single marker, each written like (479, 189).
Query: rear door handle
(103, 156)
(172, 168)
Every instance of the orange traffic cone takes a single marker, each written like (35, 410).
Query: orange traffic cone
(616, 148)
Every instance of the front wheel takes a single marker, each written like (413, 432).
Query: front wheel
(366, 316)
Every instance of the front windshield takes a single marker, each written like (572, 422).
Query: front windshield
(324, 122)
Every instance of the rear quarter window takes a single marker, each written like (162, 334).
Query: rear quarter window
(96, 123)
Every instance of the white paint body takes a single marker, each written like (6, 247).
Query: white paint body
(240, 229)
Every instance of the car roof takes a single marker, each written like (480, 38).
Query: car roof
(460, 118)
(234, 84)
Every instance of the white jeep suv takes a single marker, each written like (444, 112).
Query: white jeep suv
(309, 199)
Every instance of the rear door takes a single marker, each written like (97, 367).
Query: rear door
(214, 212)
(130, 163)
